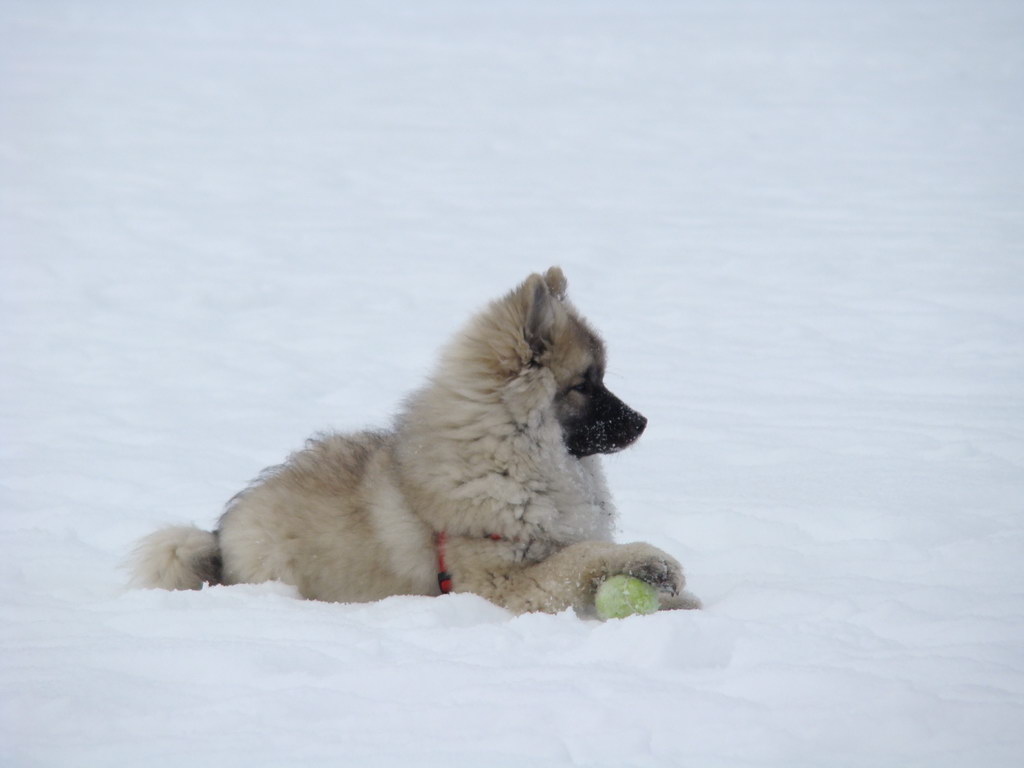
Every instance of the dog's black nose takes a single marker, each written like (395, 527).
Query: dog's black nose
(624, 425)
(635, 424)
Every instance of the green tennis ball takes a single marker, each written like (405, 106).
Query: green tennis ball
(621, 596)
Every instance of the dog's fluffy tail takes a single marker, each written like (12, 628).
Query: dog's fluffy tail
(179, 557)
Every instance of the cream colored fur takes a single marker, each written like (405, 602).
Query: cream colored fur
(167, 558)
(478, 451)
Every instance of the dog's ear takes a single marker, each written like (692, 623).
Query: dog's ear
(540, 312)
(555, 280)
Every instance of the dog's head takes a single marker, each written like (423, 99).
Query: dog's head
(543, 354)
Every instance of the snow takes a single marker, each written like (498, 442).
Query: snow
(226, 226)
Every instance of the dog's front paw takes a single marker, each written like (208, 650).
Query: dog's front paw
(684, 601)
(650, 564)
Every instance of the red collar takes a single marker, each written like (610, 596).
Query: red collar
(444, 579)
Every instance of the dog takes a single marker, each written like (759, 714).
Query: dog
(489, 482)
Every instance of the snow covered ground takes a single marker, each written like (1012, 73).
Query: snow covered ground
(225, 226)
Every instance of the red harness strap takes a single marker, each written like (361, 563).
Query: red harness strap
(444, 579)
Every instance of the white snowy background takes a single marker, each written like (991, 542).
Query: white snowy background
(225, 226)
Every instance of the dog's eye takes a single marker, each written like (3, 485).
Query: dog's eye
(583, 387)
